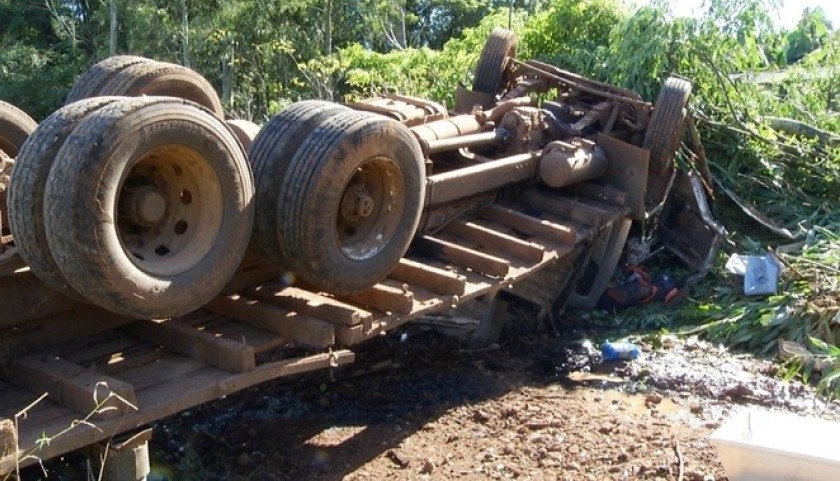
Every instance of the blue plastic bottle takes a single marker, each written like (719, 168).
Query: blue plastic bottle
(616, 351)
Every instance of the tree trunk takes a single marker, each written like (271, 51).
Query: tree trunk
(403, 37)
(229, 76)
(113, 37)
(185, 33)
(329, 34)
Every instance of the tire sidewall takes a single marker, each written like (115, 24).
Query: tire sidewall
(116, 152)
(380, 139)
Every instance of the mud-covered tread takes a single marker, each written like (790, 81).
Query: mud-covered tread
(164, 79)
(270, 155)
(300, 177)
(29, 181)
(306, 227)
(662, 137)
(15, 126)
(90, 82)
(79, 212)
(490, 69)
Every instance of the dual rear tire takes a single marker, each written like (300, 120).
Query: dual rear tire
(132, 76)
(143, 206)
(340, 194)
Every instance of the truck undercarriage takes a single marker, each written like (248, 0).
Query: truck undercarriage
(365, 216)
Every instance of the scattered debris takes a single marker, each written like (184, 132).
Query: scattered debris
(428, 466)
(761, 273)
(510, 419)
(621, 350)
(792, 351)
(759, 444)
(398, 459)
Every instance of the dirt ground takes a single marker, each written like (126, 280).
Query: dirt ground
(417, 405)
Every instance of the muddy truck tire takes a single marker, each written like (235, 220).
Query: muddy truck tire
(351, 201)
(29, 182)
(492, 67)
(244, 130)
(149, 207)
(15, 127)
(91, 81)
(662, 137)
(163, 79)
(270, 156)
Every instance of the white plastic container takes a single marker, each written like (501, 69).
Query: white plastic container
(759, 445)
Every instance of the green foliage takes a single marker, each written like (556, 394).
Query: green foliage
(357, 71)
(573, 34)
(812, 32)
(35, 79)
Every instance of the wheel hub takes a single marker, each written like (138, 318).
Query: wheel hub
(364, 203)
(370, 208)
(169, 210)
(147, 206)
(357, 203)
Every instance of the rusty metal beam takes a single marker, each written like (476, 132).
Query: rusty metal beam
(466, 182)
(473, 140)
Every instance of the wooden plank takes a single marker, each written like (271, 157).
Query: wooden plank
(311, 304)
(561, 234)
(293, 326)
(71, 385)
(288, 367)
(259, 339)
(253, 271)
(180, 393)
(129, 360)
(350, 335)
(15, 399)
(8, 438)
(94, 352)
(91, 391)
(7, 464)
(42, 373)
(436, 280)
(200, 317)
(494, 241)
(25, 298)
(385, 297)
(58, 328)
(43, 409)
(560, 206)
(167, 368)
(224, 353)
(462, 256)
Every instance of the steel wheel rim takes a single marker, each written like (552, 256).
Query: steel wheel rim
(169, 210)
(370, 208)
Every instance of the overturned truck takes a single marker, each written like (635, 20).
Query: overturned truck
(156, 256)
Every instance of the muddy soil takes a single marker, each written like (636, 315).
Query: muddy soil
(417, 405)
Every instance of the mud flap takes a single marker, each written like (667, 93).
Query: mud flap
(686, 226)
(466, 99)
(599, 270)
